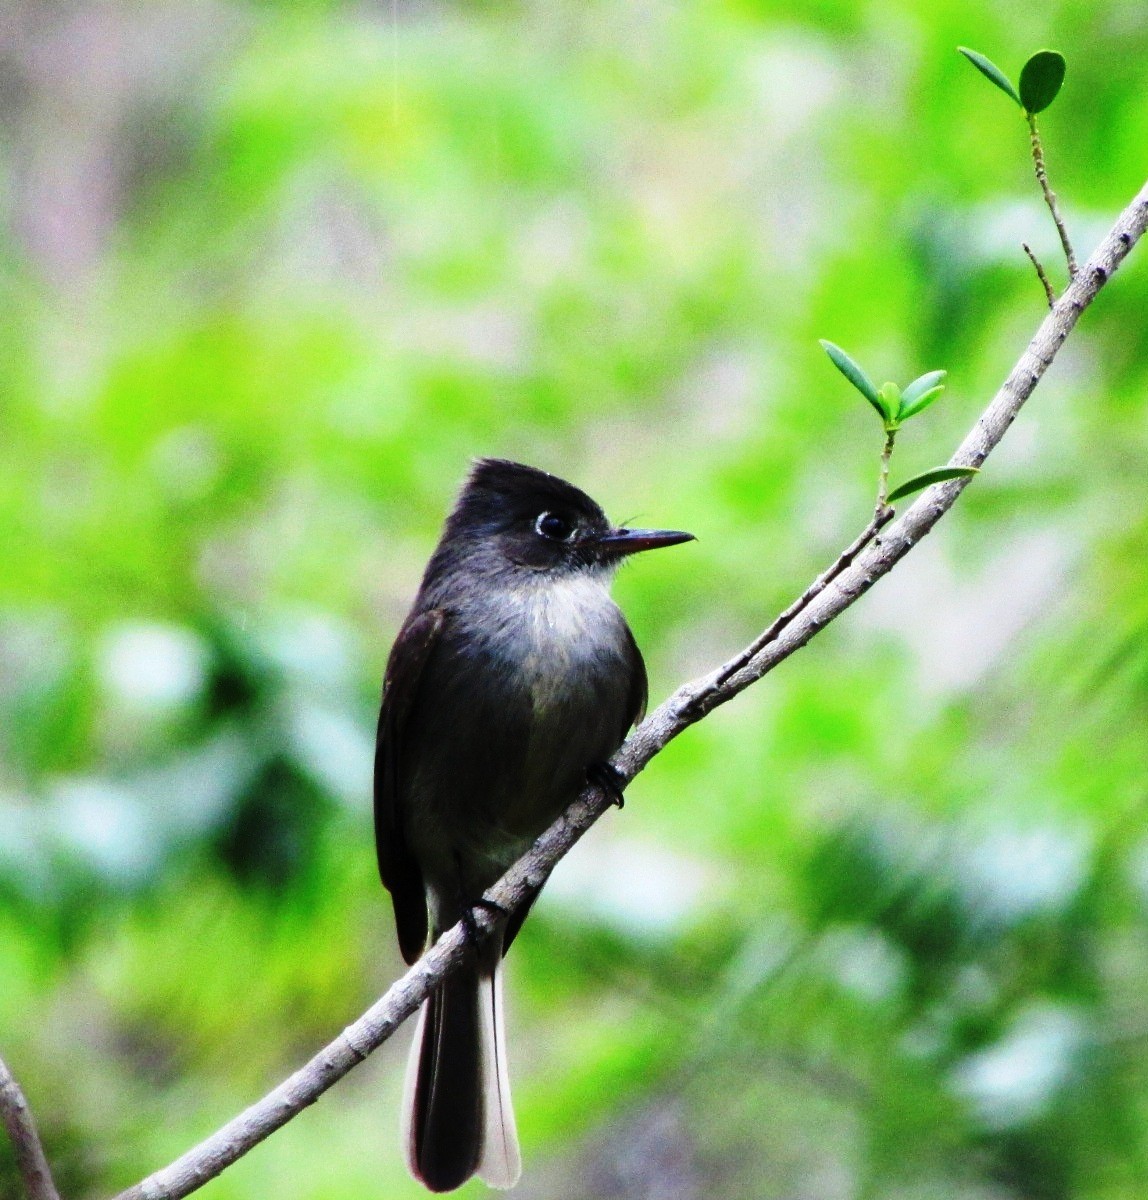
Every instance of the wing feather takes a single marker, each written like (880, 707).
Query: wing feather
(639, 686)
(397, 867)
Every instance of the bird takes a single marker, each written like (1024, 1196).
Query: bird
(512, 681)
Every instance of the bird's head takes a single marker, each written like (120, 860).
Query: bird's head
(538, 522)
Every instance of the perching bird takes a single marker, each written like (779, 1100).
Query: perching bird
(513, 679)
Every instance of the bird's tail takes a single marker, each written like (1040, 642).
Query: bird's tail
(458, 1117)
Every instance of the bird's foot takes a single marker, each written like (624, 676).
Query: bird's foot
(609, 779)
(470, 925)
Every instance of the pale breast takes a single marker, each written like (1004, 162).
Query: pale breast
(572, 629)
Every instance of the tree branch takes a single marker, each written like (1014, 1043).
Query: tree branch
(849, 578)
(881, 517)
(30, 1160)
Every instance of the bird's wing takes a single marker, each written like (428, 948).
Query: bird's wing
(639, 687)
(397, 867)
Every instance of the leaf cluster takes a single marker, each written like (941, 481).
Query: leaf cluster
(896, 405)
(1041, 78)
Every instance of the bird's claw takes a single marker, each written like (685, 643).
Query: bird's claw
(609, 779)
(470, 925)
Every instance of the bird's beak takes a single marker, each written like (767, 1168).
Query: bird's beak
(620, 542)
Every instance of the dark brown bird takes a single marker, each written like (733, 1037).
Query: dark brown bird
(513, 677)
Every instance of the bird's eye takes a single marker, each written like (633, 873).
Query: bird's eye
(557, 529)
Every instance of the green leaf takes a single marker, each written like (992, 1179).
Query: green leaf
(854, 374)
(922, 402)
(921, 393)
(936, 475)
(889, 397)
(1040, 80)
(921, 385)
(992, 72)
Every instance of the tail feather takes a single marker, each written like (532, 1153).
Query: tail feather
(501, 1164)
(458, 1117)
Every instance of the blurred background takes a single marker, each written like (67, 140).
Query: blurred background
(270, 274)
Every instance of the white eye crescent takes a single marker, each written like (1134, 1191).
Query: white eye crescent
(553, 527)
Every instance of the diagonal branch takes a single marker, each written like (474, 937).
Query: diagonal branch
(883, 515)
(30, 1160)
(843, 584)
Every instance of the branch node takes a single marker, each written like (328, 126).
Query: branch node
(349, 1039)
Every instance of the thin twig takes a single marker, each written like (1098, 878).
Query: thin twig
(883, 479)
(881, 517)
(30, 1159)
(1050, 195)
(688, 704)
(1032, 258)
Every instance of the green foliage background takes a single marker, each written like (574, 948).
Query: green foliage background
(272, 272)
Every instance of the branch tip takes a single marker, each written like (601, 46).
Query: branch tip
(1040, 274)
